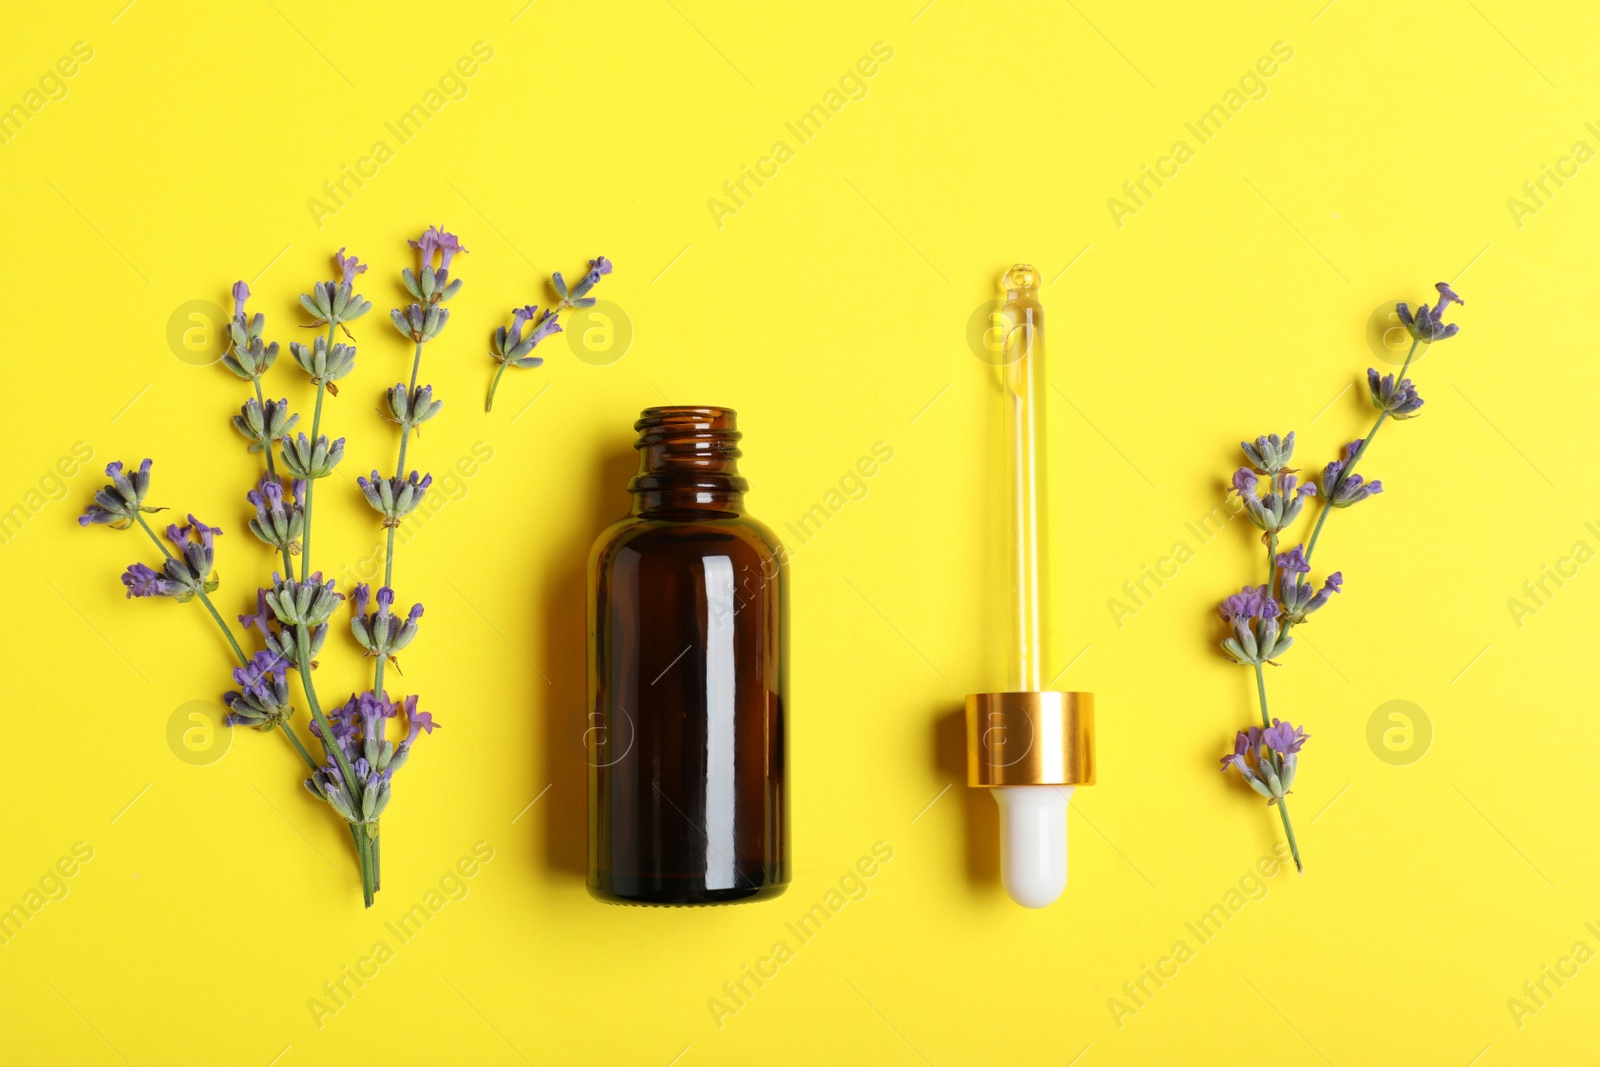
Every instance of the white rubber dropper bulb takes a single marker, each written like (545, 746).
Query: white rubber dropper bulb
(1033, 841)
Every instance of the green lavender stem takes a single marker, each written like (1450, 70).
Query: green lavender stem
(311, 483)
(1283, 804)
(294, 740)
(1272, 563)
(272, 472)
(1350, 467)
(332, 746)
(488, 405)
(399, 472)
(372, 871)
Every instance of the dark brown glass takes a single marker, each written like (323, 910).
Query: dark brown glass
(688, 679)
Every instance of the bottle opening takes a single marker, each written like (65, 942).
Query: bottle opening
(688, 460)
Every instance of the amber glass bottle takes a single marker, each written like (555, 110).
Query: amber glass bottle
(688, 679)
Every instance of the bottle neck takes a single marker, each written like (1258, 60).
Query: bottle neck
(688, 464)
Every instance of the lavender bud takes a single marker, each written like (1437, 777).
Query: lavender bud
(302, 603)
(412, 410)
(324, 364)
(118, 504)
(1399, 399)
(311, 459)
(394, 498)
(1269, 454)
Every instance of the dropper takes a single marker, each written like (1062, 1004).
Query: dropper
(1030, 746)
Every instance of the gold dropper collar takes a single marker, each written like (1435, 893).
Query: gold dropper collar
(1044, 738)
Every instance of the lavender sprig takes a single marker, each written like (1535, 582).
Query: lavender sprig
(1393, 394)
(511, 348)
(184, 576)
(409, 405)
(364, 792)
(292, 614)
(1262, 617)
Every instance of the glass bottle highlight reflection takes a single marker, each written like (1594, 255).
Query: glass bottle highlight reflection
(688, 679)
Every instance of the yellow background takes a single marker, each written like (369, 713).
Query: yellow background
(831, 310)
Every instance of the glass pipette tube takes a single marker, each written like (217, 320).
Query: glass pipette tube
(1022, 374)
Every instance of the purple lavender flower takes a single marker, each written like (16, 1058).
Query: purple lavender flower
(1267, 759)
(1258, 635)
(1399, 399)
(1428, 326)
(519, 318)
(358, 728)
(429, 286)
(246, 353)
(546, 326)
(262, 700)
(117, 505)
(435, 240)
(196, 544)
(1251, 602)
(510, 347)
(597, 269)
(1284, 738)
(418, 720)
(371, 714)
(344, 720)
(185, 573)
(417, 723)
(1269, 454)
(382, 633)
(335, 303)
(141, 581)
(1282, 503)
(280, 519)
(1243, 744)
(1293, 561)
(1350, 490)
(349, 266)
(261, 617)
(1298, 597)
(254, 677)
